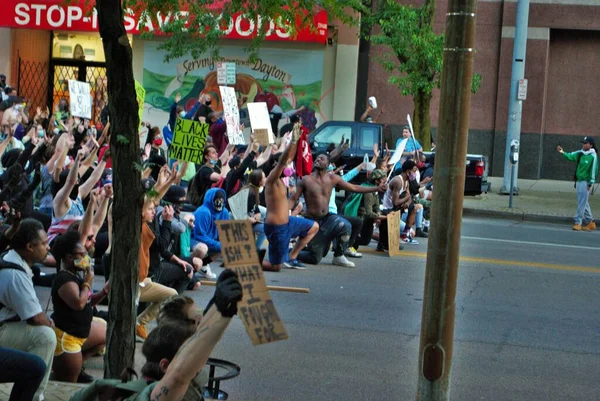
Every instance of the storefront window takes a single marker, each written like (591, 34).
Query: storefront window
(77, 46)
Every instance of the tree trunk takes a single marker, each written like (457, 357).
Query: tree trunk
(128, 196)
(422, 119)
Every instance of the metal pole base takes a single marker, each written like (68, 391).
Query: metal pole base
(505, 191)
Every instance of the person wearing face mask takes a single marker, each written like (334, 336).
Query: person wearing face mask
(62, 111)
(201, 109)
(155, 140)
(78, 335)
(205, 229)
(213, 171)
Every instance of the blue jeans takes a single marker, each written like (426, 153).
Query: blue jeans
(23, 369)
(259, 230)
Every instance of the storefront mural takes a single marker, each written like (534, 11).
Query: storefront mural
(288, 77)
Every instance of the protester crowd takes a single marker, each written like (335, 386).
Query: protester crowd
(56, 200)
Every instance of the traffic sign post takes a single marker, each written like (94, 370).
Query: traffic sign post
(226, 73)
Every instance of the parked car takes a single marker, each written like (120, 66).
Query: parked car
(362, 137)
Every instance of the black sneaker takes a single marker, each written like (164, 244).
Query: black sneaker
(84, 377)
(382, 248)
(420, 233)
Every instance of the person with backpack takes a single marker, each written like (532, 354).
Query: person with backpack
(586, 175)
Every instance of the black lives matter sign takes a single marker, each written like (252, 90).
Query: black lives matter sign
(189, 138)
(256, 308)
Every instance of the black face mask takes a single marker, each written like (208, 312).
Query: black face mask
(218, 204)
(208, 102)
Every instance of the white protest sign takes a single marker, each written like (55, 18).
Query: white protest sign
(231, 114)
(259, 119)
(80, 99)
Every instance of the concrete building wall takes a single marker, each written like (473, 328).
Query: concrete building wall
(5, 51)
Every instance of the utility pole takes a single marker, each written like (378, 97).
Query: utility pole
(515, 106)
(437, 326)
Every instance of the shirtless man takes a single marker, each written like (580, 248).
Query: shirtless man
(280, 227)
(317, 189)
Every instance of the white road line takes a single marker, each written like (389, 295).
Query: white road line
(508, 241)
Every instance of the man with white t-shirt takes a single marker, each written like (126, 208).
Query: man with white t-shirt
(23, 324)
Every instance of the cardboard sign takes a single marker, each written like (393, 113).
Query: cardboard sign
(231, 114)
(393, 224)
(140, 94)
(256, 308)
(80, 99)
(260, 120)
(262, 136)
(189, 138)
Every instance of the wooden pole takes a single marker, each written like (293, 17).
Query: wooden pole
(269, 287)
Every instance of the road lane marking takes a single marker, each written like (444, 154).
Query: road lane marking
(517, 263)
(508, 241)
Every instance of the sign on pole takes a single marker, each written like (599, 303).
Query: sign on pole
(231, 113)
(226, 73)
(261, 123)
(189, 138)
(80, 99)
(522, 90)
(256, 308)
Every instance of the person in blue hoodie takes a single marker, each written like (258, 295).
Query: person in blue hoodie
(205, 228)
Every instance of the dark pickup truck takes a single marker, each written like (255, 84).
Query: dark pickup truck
(362, 138)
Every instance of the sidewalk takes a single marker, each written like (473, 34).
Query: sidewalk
(538, 200)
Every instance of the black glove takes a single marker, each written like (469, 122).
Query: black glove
(227, 294)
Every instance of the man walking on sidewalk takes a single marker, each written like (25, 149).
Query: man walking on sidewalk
(586, 175)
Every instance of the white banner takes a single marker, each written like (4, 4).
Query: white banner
(80, 99)
(231, 114)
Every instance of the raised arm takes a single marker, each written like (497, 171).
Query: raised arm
(194, 353)
(61, 200)
(287, 155)
(346, 186)
(86, 187)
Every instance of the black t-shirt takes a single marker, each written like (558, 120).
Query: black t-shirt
(75, 323)
(203, 111)
(202, 182)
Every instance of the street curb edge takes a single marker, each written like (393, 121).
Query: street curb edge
(519, 216)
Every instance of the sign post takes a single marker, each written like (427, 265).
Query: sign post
(226, 73)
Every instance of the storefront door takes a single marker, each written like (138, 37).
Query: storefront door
(92, 72)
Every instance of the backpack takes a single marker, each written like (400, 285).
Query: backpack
(8, 265)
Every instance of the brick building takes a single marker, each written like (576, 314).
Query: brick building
(562, 66)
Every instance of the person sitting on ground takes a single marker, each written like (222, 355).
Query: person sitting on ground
(213, 171)
(78, 337)
(25, 326)
(23, 369)
(233, 181)
(150, 291)
(205, 228)
(280, 227)
(257, 212)
(174, 356)
(317, 189)
(366, 207)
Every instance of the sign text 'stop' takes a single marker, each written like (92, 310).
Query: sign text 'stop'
(79, 15)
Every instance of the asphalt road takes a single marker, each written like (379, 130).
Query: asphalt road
(527, 323)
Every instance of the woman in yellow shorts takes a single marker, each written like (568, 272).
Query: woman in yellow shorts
(77, 336)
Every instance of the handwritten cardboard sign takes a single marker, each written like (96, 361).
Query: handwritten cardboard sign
(393, 224)
(231, 113)
(262, 136)
(260, 120)
(256, 308)
(189, 138)
(80, 99)
(140, 94)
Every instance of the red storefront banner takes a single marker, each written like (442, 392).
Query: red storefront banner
(60, 15)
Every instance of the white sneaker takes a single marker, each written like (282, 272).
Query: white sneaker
(208, 272)
(342, 261)
(353, 253)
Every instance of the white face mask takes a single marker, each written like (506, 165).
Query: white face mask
(182, 114)
(261, 189)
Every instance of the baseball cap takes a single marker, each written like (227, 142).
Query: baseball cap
(589, 139)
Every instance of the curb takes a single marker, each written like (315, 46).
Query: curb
(519, 216)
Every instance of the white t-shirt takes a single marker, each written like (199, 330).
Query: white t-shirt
(388, 204)
(17, 293)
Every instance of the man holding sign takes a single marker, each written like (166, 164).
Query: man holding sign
(280, 227)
